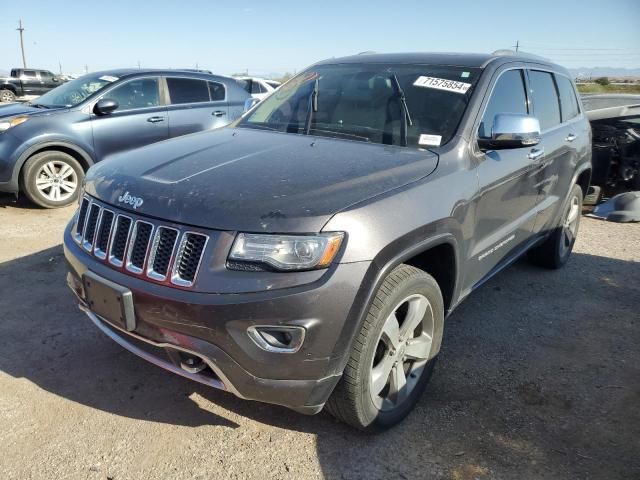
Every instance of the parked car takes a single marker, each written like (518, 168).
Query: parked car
(46, 146)
(27, 83)
(258, 87)
(615, 123)
(308, 254)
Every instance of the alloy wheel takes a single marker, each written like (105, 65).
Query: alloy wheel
(570, 226)
(57, 181)
(403, 349)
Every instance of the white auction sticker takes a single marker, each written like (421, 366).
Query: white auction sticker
(431, 140)
(108, 78)
(442, 84)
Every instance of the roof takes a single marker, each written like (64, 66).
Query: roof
(478, 60)
(128, 72)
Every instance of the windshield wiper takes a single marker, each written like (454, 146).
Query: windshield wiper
(313, 106)
(406, 117)
(38, 105)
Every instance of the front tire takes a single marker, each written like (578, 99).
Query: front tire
(52, 179)
(7, 96)
(393, 355)
(555, 251)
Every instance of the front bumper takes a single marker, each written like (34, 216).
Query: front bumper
(214, 327)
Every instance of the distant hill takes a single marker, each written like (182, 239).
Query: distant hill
(596, 72)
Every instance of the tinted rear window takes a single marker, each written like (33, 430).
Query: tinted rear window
(568, 99)
(216, 90)
(508, 96)
(187, 90)
(545, 99)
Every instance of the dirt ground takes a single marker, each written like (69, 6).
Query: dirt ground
(539, 377)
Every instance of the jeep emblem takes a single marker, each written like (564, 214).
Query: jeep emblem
(135, 202)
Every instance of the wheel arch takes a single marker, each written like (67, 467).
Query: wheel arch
(423, 255)
(75, 151)
(8, 86)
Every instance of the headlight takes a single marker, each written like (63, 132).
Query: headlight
(12, 122)
(284, 252)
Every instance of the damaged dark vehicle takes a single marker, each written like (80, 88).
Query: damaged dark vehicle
(615, 124)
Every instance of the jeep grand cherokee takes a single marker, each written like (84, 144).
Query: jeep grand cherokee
(308, 254)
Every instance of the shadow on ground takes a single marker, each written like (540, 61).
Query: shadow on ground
(539, 376)
(10, 200)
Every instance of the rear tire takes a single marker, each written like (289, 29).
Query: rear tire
(7, 96)
(555, 251)
(52, 179)
(393, 355)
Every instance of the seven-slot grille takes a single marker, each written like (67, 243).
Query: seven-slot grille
(162, 253)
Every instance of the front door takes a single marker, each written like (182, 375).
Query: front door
(139, 120)
(505, 207)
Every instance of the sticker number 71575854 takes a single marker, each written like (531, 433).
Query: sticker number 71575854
(442, 84)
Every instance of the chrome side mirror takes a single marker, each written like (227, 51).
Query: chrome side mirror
(512, 130)
(250, 102)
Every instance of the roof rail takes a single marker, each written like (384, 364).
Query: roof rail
(511, 53)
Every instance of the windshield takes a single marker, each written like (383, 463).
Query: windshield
(72, 93)
(363, 102)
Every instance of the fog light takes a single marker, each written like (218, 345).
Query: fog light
(277, 339)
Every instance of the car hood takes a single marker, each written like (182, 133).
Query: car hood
(14, 109)
(250, 180)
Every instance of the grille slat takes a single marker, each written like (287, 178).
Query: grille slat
(82, 216)
(161, 252)
(164, 254)
(104, 232)
(90, 228)
(188, 258)
(139, 246)
(120, 239)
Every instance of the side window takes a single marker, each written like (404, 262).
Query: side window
(568, 100)
(508, 97)
(187, 90)
(138, 93)
(545, 99)
(46, 76)
(29, 74)
(257, 88)
(216, 90)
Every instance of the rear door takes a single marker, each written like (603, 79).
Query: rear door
(31, 84)
(46, 81)
(560, 129)
(195, 105)
(506, 204)
(140, 119)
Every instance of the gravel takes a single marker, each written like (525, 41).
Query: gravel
(539, 377)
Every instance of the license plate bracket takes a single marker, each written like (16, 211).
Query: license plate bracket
(109, 300)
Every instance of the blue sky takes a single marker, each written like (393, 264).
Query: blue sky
(278, 35)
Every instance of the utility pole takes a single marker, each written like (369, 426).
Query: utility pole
(20, 29)
(86, 69)
(517, 45)
(60, 66)
(138, 64)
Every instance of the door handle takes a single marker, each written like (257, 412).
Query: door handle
(571, 137)
(535, 153)
(218, 113)
(155, 119)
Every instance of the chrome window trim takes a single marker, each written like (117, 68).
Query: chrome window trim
(151, 273)
(175, 276)
(112, 260)
(132, 241)
(170, 104)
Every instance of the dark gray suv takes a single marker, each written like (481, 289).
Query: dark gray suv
(308, 254)
(46, 145)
